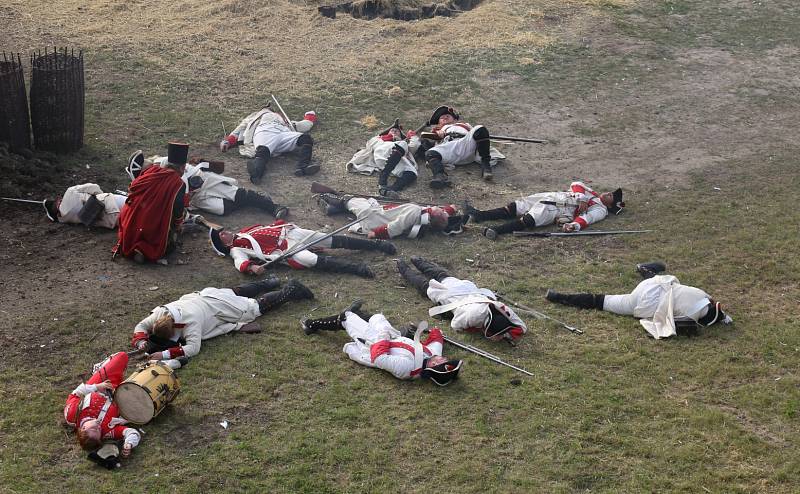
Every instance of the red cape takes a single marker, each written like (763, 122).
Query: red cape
(145, 220)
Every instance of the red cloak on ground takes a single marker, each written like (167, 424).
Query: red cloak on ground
(144, 222)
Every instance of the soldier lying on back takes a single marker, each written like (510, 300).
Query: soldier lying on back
(391, 154)
(573, 210)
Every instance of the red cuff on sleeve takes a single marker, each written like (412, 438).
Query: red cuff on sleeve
(387, 138)
(435, 336)
(137, 337)
(244, 265)
(581, 222)
(378, 349)
(381, 232)
(310, 116)
(232, 139)
(175, 352)
(516, 333)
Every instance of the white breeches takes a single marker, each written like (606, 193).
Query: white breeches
(458, 151)
(276, 137)
(384, 150)
(306, 258)
(543, 214)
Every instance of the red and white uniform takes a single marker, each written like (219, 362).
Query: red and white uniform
(565, 209)
(469, 305)
(458, 147)
(657, 302)
(390, 220)
(76, 196)
(267, 128)
(200, 316)
(377, 344)
(267, 242)
(86, 403)
(373, 157)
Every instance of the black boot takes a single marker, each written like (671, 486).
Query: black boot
(294, 290)
(383, 178)
(258, 165)
(333, 203)
(330, 323)
(517, 225)
(580, 300)
(252, 289)
(305, 147)
(429, 269)
(440, 179)
(404, 180)
(262, 200)
(503, 213)
(481, 136)
(412, 277)
(333, 264)
(352, 243)
(649, 269)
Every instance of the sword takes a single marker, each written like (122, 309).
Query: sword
(31, 201)
(423, 325)
(283, 113)
(578, 234)
(539, 315)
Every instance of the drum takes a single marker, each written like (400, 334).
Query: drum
(146, 392)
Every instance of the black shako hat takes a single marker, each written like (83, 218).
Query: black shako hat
(177, 153)
(217, 244)
(443, 374)
(619, 204)
(442, 110)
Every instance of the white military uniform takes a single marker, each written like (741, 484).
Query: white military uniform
(377, 344)
(373, 158)
(202, 315)
(268, 242)
(215, 189)
(658, 301)
(267, 128)
(564, 211)
(468, 303)
(387, 220)
(77, 195)
(459, 148)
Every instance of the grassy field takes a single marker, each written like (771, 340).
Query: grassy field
(690, 106)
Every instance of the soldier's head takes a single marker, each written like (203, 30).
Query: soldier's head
(164, 327)
(440, 370)
(443, 115)
(221, 240)
(89, 435)
(439, 216)
(613, 201)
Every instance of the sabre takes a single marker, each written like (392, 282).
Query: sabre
(283, 113)
(484, 354)
(578, 234)
(537, 314)
(301, 246)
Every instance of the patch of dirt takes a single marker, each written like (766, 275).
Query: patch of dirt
(403, 10)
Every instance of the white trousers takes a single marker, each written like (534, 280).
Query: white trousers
(459, 151)
(277, 138)
(306, 258)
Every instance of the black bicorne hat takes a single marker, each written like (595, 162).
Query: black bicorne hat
(177, 153)
(499, 323)
(619, 204)
(443, 374)
(217, 244)
(442, 110)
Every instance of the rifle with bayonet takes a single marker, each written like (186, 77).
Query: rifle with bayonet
(318, 188)
(436, 137)
(579, 234)
(283, 113)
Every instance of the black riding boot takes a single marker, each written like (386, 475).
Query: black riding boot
(255, 199)
(333, 264)
(503, 213)
(258, 165)
(440, 179)
(383, 178)
(333, 203)
(352, 243)
(331, 323)
(517, 225)
(413, 278)
(294, 290)
(580, 300)
(481, 136)
(305, 147)
(404, 180)
(252, 289)
(429, 269)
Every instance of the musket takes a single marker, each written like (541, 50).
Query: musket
(30, 201)
(318, 188)
(578, 234)
(537, 314)
(283, 113)
(435, 137)
(303, 246)
(484, 354)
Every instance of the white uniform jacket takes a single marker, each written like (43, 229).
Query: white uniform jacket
(76, 196)
(377, 344)
(373, 158)
(202, 315)
(564, 211)
(469, 305)
(387, 220)
(215, 189)
(459, 148)
(657, 302)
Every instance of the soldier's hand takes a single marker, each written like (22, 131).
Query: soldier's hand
(224, 145)
(126, 450)
(371, 235)
(568, 227)
(105, 385)
(257, 270)
(582, 207)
